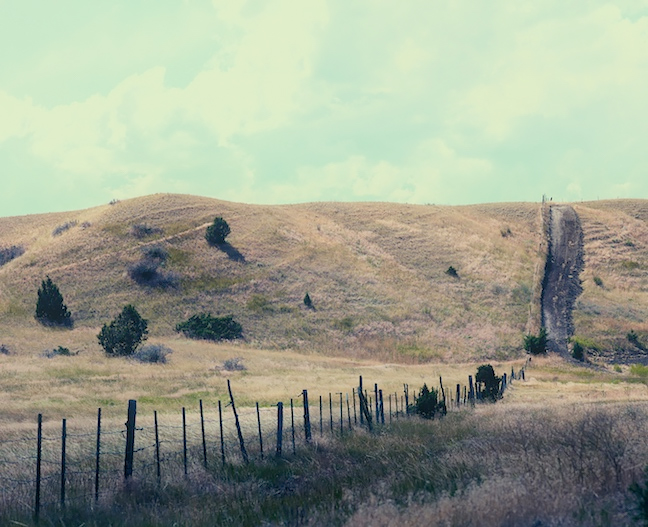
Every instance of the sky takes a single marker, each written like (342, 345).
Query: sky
(286, 101)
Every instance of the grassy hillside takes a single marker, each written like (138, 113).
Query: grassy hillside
(616, 256)
(375, 272)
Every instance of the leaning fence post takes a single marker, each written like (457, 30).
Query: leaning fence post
(222, 439)
(279, 428)
(260, 434)
(238, 425)
(360, 391)
(202, 428)
(130, 439)
(63, 467)
(307, 424)
(39, 458)
(331, 410)
(98, 451)
(321, 418)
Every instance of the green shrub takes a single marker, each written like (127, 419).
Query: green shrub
(598, 281)
(9, 253)
(217, 231)
(124, 334)
(633, 338)
(451, 271)
(639, 370)
(57, 352)
(307, 301)
(204, 326)
(536, 344)
(617, 368)
(578, 352)
(142, 230)
(234, 364)
(427, 403)
(50, 309)
(486, 376)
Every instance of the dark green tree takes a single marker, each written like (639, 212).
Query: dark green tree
(427, 403)
(50, 309)
(217, 231)
(308, 302)
(122, 336)
(536, 344)
(205, 326)
(486, 376)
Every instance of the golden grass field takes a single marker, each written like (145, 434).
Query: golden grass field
(385, 309)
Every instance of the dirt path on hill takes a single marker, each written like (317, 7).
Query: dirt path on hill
(561, 285)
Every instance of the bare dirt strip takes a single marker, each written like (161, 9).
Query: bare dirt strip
(561, 285)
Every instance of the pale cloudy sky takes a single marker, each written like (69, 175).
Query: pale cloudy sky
(283, 101)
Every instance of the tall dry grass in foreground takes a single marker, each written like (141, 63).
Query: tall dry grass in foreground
(501, 465)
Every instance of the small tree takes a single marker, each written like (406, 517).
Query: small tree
(205, 326)
(427, 404)
(536, 344)
(491, 382)
(50, 309)
(308, 302)
(578, 352)
(122, 336)
(217, 231)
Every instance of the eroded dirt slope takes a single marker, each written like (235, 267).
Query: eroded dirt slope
(562, 283)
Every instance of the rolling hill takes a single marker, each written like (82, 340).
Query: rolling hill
(376, 273)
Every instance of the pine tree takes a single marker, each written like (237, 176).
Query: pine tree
(308, 302)
(50, 309)
(217, 231)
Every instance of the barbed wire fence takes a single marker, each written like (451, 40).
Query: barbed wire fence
(54, 467)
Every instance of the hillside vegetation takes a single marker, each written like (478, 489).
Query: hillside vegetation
(376, 273)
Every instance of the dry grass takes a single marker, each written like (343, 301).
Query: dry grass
(379, 266)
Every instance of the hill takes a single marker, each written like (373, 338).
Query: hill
(376, 273)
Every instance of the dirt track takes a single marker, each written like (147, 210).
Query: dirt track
(561, 285)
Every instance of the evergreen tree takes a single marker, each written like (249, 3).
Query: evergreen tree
(491, 382)
(308, 302)
(50, 309)
(217, 231)
(123, 335)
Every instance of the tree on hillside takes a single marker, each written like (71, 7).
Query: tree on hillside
(50, 309)
(536, 344)
(217, 231)
(122, 336)
(486, 376)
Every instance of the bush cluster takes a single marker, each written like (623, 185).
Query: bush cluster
(124, 334)
(147, 271)
(234, 364)
(205, 326)
(427, 403)
(491, 382)
(536, 344)
(50, 309)
(60, 229)
(57, 352)
(9, 253)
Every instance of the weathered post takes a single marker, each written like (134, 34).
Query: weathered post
(260, 435)
(222, 439)
(98, 451)
(279, 428)
(355, 416)
(331, 411)
(360, 392)
(341, 415)
(157, 447)
(443, 397)
(321, 418)
(377, 403)
(458, 394)
(348, 410)
(63, 467)
(292, 425)
(39, 460)
(202, 429)
(307, 423)
(471, 390)
(406, 391)
(382, 407)
(184, 440)
(238, 425)
(130, 439)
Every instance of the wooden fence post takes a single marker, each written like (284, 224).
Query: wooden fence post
(157, 447)
(39, 459)
(184, 440)
(307, 424)
(458, 394)
(382, 407)
(98, 453)
(377, 403)
(292, 425)
(364, 409)
(360, 391)
(331, 411)
(130, 439)
(471, 390)
(355, 415)
(445, 408)
(260, 434)
(202, 429)
(279, 428)
(222, 439)
(341, 416)
(406, 391)
(321, 418)
(63, 467)
(348, 410)
(238, 425)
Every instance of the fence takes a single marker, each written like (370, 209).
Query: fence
(53, 469)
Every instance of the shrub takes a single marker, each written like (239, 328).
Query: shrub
(633, 338)
(578, 352)
(427, 403)
(598, 281)
(506, 232)
(204, 326)
(451, 271)
(486, 376)
(234, 364)
(345, 324)
(57, 352)
(86, 225)
(639, 370)
(308, 302)
(122, 336)
(155, 252)
(60, 229)
(147, 271)
(152, 353)
(617, 368)
(50, 309)
(9, 253)
(113, 201)
(536, 344)
(217, 231)
(142, 230)
(4, 350)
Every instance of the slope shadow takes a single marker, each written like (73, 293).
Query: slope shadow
(232, 252)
